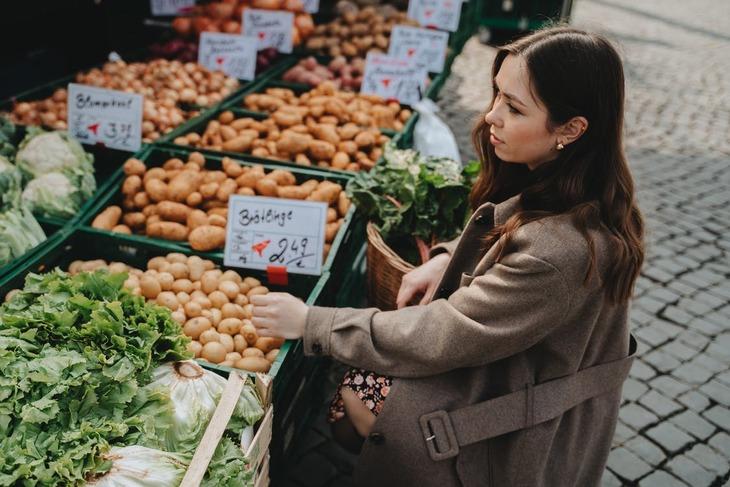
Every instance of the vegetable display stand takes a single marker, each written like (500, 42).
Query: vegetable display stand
(385, 270)
(156, 157)
(519, 15)
(54, 234)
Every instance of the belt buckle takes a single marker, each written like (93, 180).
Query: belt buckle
(437, 428)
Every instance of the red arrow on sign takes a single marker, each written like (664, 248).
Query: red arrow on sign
(262, 35)
(219, 60)
(260, 247)
(385, 82)
(411, 51)
(93, 128)
(428, 13)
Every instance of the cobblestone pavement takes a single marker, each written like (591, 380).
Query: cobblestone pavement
(674, 426)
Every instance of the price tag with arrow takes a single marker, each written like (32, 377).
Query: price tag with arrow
(427, 47)
(272, 232)
(394, 78)
(436, 14)
(108, 117)
(233, 54)
(271, 28)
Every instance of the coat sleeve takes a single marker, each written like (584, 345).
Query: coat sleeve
(503, 312)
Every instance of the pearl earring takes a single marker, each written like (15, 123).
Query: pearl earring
(560, 146)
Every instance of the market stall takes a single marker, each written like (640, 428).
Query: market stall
(252, 146)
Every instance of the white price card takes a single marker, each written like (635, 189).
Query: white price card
(311, 6)
(265, 232)
(437, 14)
(427, 47)
(171, 7)
(271, 28)
(233, 54)
(393, 78)
(109, 117)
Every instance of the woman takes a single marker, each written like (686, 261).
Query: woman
(511, 375)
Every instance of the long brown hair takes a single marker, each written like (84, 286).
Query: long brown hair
(573, 73)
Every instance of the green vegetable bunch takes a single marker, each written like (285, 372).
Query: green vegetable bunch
(74, 355)
(410, 196)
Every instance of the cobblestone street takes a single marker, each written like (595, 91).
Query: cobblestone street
(674, 426)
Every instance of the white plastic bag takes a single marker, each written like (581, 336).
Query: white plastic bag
(431, 136)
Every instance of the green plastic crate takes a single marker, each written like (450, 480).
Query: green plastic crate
(156, 156)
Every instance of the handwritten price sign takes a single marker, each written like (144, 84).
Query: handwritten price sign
(393, 78)
(426, 47)
(270, 28)
(233, 54)
(438, 14)
(265, 232)
(171, 7)
(112, 118)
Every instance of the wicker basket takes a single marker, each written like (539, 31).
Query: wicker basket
(385, 271)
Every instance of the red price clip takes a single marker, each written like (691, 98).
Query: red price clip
(277, 274)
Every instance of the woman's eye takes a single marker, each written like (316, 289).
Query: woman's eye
(513, 109)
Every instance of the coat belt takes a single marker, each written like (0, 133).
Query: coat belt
(444, 432)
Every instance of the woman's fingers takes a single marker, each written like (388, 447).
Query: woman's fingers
(263, 322)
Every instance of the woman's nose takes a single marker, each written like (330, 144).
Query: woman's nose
(491, 118)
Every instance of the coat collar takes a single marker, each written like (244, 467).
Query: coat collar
(502, 211)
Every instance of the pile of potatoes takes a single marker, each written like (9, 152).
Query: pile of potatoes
(212, 306)
(324, 127)
(164, 84)
(346, 75)
(185, 201)
(356, 31)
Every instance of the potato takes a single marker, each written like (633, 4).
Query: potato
(364, 139)
(230, 325)
(292, 192)
(213, 352)
(239, 343)
(282, 177)
(265, 344)
(343, 203)
(131, 185)
(209, 190)
(150, 287)
(257, 291)
(218, 299)
(173, 212)
(248, 331)
(193, 309)
(271, 355)
(229, 288)
(196, 218)
(241, 143)
(134, 167)
(207, 237)
(321, 150)
(134, 219)
(252, 352)
(182, 297)
(331, 231)
(253, 364)
(215, 316)
(241, 300)
(166, 280)
(233, 356)
(182, 286)
(331, 215)
(107, 219)
(122, 229)
(209, 281)
(266, 187)
(209, 335)
(183, 184)
(227, 341)
(231, 310)
(226, 189)
(249, 179)
(231, 275)
(156, 189)
(179, 270)
(340, 160)
(217, 221)
(168, 300)
(327, 133)
(292, 142)
(195, 347)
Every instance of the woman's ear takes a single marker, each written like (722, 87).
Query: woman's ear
(571, 131)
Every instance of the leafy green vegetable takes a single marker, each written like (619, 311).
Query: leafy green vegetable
(7, 134)
(19, 232)
(75, 353)
(228, 467)
(414, 196)
(138, 466)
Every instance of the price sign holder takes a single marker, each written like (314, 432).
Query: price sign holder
(393, 78)
(426, 47)
(108, 117)
(437, 14)
(276, 235)
(233, 54)
(271, 28)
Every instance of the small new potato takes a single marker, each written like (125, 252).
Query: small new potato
(233, 356)
(166, 280)
(271, 356)
(252, 352)
(218, 299)
(150, 287)
(195, 347)
(257, 290)
(193, 309)
(213, 352)
(254, 364)
(231, 276)
(229, 288)
(209, 281)
(230, 326)
(227, 342)
(168, 300)
(182, 297)
(179, 316)
(179, 270)
(194, 327)
(249, 332)
(209, 335)
(266, 344)
(240, 343)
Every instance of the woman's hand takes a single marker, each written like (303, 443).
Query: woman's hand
(279, 315)
(423, 279)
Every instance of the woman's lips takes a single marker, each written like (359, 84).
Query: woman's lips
(494, 140)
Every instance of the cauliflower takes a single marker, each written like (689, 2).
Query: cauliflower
(52, 195)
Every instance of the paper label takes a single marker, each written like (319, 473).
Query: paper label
(271, 28)
(437, 14)
(427, 47)
(265, 232)
(393, 78)
(109, 117)
(171, 7)
(311, 6)
(233, 54)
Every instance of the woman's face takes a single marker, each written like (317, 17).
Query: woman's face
(519, 123)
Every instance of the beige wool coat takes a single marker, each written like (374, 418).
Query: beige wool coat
(505, 333)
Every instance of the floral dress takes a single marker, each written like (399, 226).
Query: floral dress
(371, 388)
